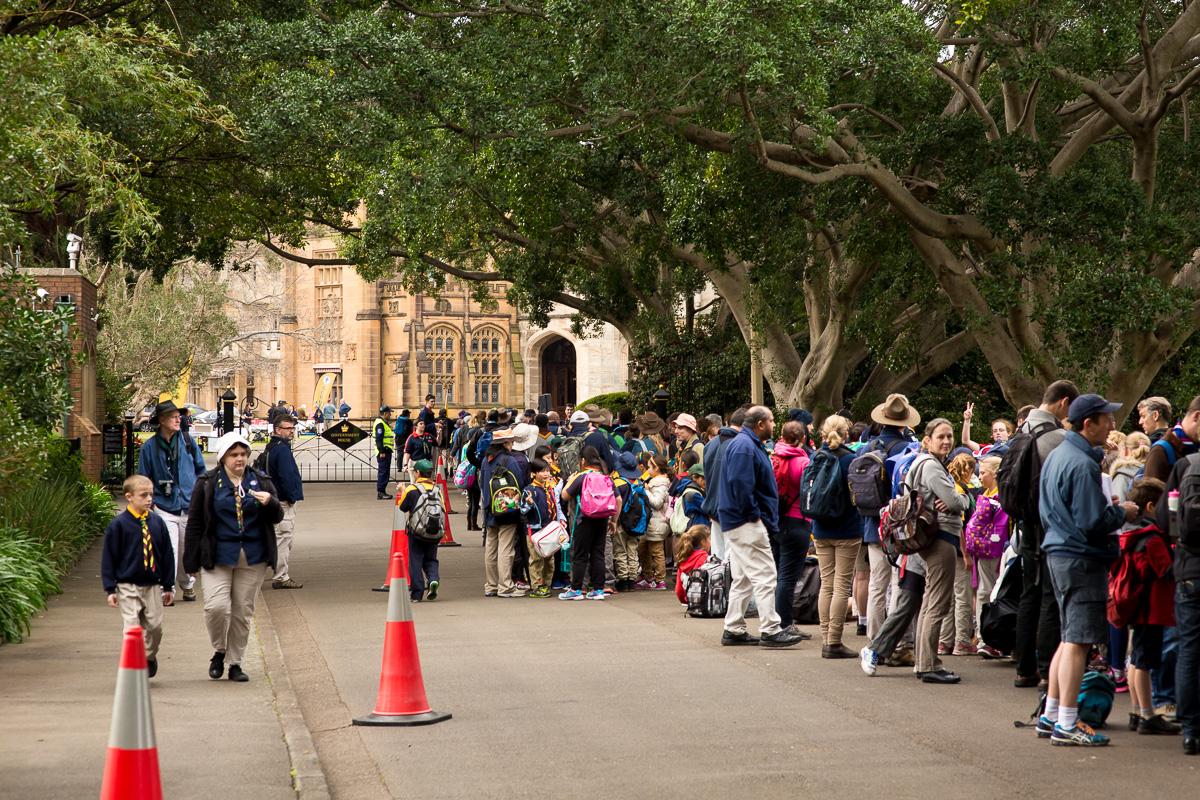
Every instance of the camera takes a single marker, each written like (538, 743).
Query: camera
(166, 487)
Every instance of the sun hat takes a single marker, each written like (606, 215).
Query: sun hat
(596, 414)
(686, 421)
(227, 441)
(896, 411)
(503, 435)
(165, 407)
(525, 436)
(627, 467)
(650, 423)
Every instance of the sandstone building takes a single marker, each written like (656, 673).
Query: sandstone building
(310, 334)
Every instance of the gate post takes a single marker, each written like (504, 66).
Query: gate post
(128, 444)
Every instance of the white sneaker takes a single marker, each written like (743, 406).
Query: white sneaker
(868, 660)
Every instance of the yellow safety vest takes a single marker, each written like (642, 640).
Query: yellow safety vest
(389, 435)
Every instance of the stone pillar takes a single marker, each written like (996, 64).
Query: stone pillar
(69, 287)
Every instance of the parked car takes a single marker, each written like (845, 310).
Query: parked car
(141, 420)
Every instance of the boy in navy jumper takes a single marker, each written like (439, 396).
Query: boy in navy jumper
(137, 565)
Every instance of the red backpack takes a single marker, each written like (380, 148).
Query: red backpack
(1131, 577)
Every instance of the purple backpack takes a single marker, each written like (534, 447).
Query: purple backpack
(986, 533)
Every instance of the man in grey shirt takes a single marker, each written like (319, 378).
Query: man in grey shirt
(1037, 615)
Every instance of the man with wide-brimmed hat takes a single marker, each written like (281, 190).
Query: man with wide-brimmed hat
(896, 417)
(600, 420)
(172, 460)
(501, 470)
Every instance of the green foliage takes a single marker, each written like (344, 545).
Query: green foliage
(613, 401)
(52, 515)
(98, 509)
(705, 373)
(34, 352)
(27, 578)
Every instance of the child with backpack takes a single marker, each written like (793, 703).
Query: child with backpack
(632, 520)
(837, 530)
(958, 630)
(651, 548)
(421, 500)
(691, 553)
(985, 537)
(541, 511)
(1142, 595)
(591, 499)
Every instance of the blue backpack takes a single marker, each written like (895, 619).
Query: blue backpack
(635, 512)
(482, 444)
(824, 493)
(1171, 458)
(900, 464)
(1097, 692)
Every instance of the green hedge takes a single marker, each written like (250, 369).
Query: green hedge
(27, 578)
(613, 401)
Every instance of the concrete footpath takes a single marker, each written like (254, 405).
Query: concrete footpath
(215, 738)
(630, 698)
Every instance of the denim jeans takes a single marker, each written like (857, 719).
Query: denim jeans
(1187, 666)
(792, 542)
(1162, 680)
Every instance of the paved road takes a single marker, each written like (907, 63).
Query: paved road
(630, 698)
(215, 738)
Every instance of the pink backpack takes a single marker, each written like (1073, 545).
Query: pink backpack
(598, 496)
(986, 533)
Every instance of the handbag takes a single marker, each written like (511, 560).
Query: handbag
(550, 538)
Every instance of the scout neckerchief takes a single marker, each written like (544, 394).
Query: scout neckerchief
(147, 545)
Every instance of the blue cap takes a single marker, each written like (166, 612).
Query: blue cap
(1086, 405)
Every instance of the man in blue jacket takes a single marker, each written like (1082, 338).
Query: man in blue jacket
(172, 460)
(712, 475)
(281, 467)
(1079, 545)
(748, 510)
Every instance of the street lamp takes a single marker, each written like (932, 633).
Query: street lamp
(74, 245)
(660, 401)
(227, 401)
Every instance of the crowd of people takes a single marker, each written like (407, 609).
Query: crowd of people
(913, 527)
(919, 533)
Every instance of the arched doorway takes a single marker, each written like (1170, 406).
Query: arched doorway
(558, 373)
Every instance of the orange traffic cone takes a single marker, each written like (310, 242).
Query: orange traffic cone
(448, 539)
(131, 768)
(399, 540)
(401, 699)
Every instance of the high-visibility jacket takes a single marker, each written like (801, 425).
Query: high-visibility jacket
(385, 437)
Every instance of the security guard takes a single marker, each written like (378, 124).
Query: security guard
(385, 443)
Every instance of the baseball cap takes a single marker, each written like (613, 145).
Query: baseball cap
(1086, 405)
(579, 417)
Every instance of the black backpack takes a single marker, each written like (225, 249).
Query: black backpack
(1189, 505)
(261, 461)
(1020, 474)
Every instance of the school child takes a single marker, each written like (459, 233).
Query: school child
(541, 511)
(1142, 577)
(691, 553)
(422, 502)
(137, 565)
(652, 547)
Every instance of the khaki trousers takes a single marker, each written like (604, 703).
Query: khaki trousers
(142, 605)
(498, 553)
(939, 560)
(541, 570)
(837, 558)
(877, 589)
(752, 569)
(960, 626)
(229, 593)
(625, 555)
(653, 559)
(284, 532)
(176, 525)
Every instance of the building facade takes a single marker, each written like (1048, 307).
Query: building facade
(322, 333)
